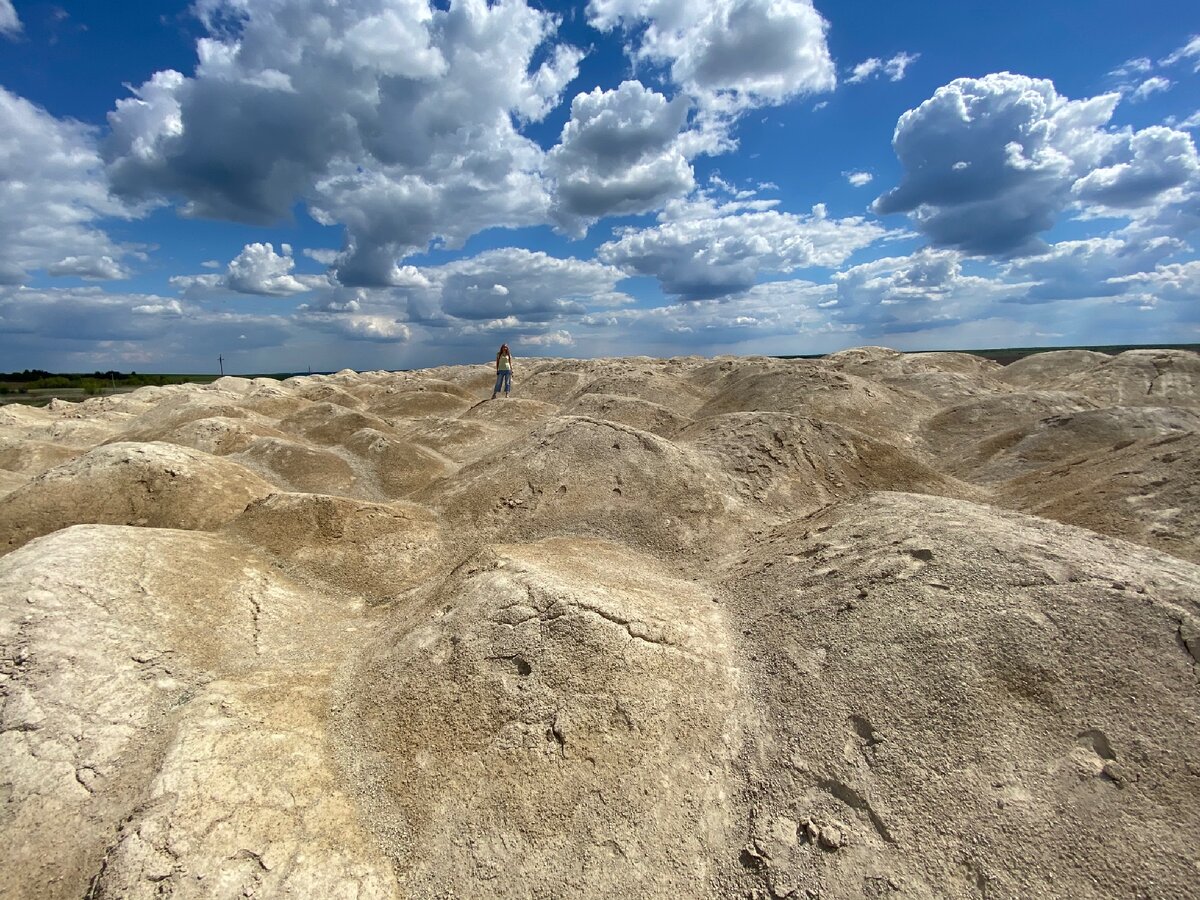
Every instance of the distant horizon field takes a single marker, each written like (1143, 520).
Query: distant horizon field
(16, 390)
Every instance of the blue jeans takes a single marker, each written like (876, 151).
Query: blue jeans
(503, 377)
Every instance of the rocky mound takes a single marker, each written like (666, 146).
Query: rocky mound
(31, 457)
(220, 435)
(955, 428)
(927, 694)
(806, 388)
(1142, 378)
(798, 465)
(461, 440)
(398, 467)
(669, 391)
(515, 734)
(1046, 370)
(378, 551)
(641, 414)
(10, 481)
(1059, 438)
(588, 477)
(165, 700)
(154, 484)
(293, 466)
(1146, 491)
(413, 404)
(65, 424)
(330, 423)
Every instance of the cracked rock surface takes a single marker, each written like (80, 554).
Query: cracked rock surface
(876, 625)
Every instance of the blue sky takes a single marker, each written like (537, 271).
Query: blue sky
(396, 183)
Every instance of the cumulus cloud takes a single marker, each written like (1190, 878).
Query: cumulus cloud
(395, 118)
(894, 68)
(989, 162)
(1147, 164)
(1173, 283)
(10, 25)
(772, 310)
(324, 256)
(559, 338)
(858, 179)
(537, 287)
(620, 152)
(381, 329)
(927, 289)
(52, 197)
(66, 326)
(257, 270)
(1093, 267)
(727, 54)
(164, 308)
(702, 250)
(89, 268)
(1189, 52)
(1155, 85)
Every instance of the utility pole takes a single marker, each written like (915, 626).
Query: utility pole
(221, 360)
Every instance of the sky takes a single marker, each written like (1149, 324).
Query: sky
(295, 185)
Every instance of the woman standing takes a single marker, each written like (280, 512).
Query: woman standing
(503, 371)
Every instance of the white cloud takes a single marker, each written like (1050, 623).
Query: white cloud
(700, 250)
(381, 329)
(1189, 51)
(926, 289)
(395, 119)
(727, 54)
(323, 255)
(1151, 163)
(211, 264)
(620, 152)
(58, 325)
(52, 195)
(89, 268)
(257, 270)
(9, 23)
(1023, 146)
(1136, 66)
(864, 70)
(559, 338)
(1190, 123)
(537, 287)
(1154, 85)
(858, 179)
(771, 310)
(165, 308)
(1173, 283)
(1088, 268)
(894, 68)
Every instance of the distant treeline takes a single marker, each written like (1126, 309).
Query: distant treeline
(95, 383)
(1006, 355)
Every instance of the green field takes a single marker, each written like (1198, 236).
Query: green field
(37, 387)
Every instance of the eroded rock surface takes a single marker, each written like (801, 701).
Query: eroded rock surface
(725, 628)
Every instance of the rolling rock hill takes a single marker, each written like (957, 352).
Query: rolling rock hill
(876, 625)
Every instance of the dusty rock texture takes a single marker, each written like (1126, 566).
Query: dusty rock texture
(875, 625)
